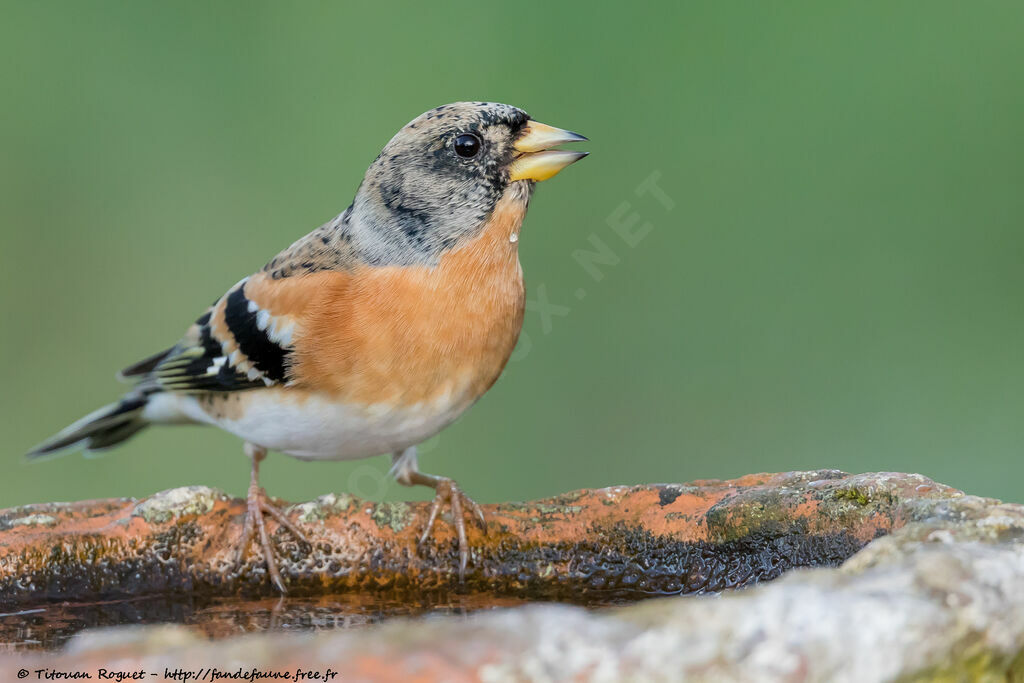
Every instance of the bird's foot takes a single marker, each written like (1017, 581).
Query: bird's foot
(461, 504)
(257, 505)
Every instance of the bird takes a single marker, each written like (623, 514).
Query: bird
(373, 332)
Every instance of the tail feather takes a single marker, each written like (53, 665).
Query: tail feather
(106, 427)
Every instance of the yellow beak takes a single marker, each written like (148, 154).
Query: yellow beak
(537, 161)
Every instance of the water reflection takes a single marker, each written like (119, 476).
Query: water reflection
(49, 627)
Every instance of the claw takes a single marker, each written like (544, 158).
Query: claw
(478, 514)
(449, 492)
(258, 504)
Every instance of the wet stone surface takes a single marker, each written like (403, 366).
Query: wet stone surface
(169, 558)
(621, 542)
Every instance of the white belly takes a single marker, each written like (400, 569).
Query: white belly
(314, 427)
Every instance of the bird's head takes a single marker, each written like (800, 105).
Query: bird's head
(439, 178)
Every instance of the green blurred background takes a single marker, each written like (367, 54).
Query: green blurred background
(838, 282)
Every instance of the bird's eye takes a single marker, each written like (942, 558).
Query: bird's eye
(467, 145)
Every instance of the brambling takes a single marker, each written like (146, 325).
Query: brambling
(373, 332)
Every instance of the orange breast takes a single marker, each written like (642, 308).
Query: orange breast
(408, 335)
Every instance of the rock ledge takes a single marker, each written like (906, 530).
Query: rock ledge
(937, 593)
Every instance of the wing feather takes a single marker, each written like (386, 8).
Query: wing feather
(233, 346)
(246, 339)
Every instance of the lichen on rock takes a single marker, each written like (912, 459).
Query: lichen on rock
(323, 507)
(173, 503)
(34, 520)
(395, 516)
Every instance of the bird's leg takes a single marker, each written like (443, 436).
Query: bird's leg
(405, 468)
(258, 504)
